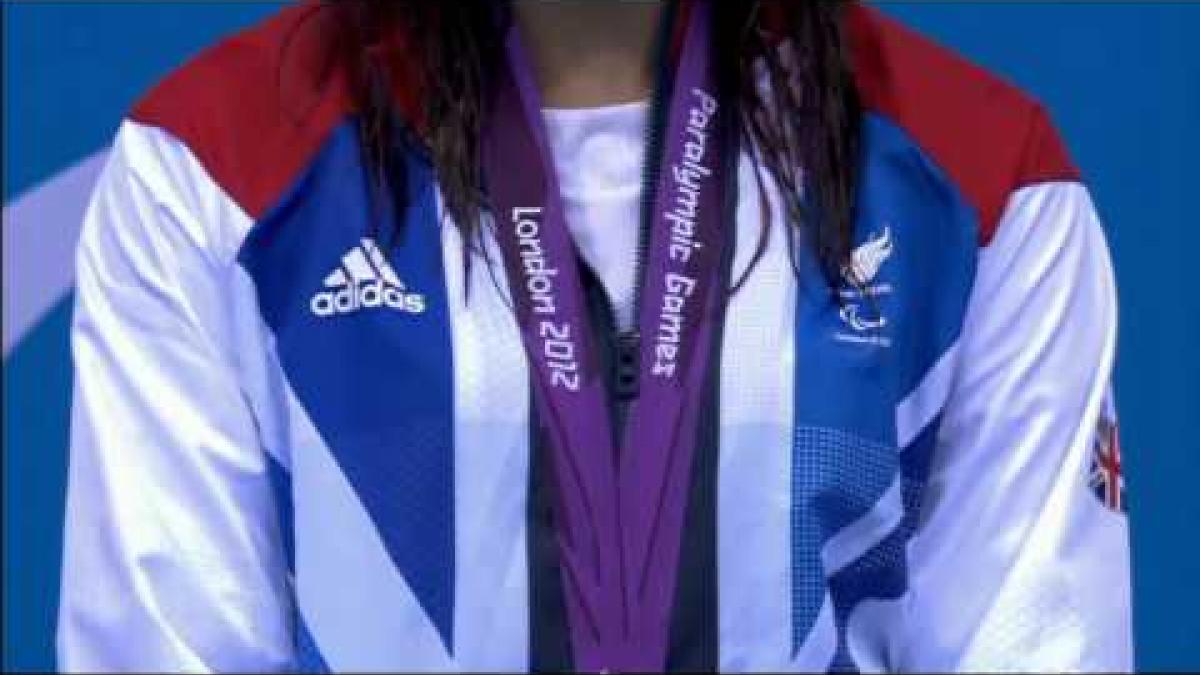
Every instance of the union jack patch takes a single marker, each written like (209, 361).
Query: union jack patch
(1106, 478)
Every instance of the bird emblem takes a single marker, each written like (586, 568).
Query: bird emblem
(867, 258)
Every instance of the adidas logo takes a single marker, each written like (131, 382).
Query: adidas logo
(364, 280)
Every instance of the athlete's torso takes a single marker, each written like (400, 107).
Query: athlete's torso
(388, 382)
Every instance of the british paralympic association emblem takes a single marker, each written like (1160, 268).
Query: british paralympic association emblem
(1106, 478)
(860, 311)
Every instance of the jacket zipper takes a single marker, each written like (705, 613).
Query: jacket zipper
(628, 342)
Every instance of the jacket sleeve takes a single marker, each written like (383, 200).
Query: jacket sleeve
(1020, 561)
(172, 558)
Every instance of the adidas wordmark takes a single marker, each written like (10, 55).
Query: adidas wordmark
(364, 280)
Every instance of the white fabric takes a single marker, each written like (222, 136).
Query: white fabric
(491, 468)
(1017, 565)
(172, 555)
(754, 494)
(598, 160)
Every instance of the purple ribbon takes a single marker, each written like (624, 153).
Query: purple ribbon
(620, 514)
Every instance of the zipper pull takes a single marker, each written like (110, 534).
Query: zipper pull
(626, 380)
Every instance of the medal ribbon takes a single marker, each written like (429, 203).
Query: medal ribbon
(619, 513)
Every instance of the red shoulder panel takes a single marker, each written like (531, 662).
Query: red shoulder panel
(255, 108)
(987, 135)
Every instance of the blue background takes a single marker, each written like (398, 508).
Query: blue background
(1121, 79)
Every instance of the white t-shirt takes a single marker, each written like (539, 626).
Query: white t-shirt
(598, 156)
